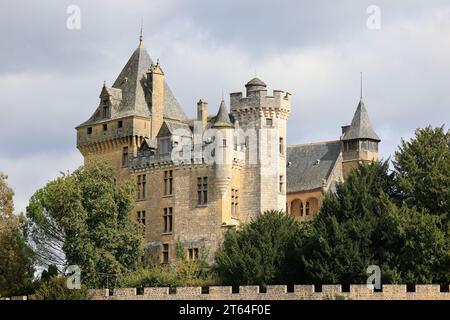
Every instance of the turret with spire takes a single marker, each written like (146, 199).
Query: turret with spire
(359, 140)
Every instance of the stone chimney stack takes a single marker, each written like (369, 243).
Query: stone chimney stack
(155, 78)
(202, 112)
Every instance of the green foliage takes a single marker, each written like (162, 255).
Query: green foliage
(55, 288)
(16, 257)
(182, 273)
(398, 220)
(85, 216)
(422, 168)
(352, 229)
(257, 253)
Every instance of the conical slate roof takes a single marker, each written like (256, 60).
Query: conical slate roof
(222, 118)
(128, 93)
(361, 128)
(131, 81)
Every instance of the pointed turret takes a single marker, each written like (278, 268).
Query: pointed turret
(360, 128)
(222, 119)
(359, 140)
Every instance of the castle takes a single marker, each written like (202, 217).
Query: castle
(196, 178)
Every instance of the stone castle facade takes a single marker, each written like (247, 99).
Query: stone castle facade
(196, 178)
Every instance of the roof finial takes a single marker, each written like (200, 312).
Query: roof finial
(361, 85)
(140, 35)
(222, 94)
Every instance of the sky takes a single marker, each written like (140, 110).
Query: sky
(51, 74)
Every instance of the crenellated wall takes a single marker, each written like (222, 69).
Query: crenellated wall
(275, 292)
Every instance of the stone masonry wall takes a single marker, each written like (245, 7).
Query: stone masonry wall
(301, 292)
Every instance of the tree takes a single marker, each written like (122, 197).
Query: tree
(16, 258)
(55, 288)
(86, 217)
(361, 225)
(422, 168)
(352, 230)
(257, 253)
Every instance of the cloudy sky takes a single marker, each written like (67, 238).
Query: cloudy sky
(51, 76)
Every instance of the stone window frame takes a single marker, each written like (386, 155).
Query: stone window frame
(125, 156)
(281, 183)
(193, 254)
(168, 183)
(168, 220)
(165, 253)
(141, 187)
(202, 191)
(106, 110)
(140, 217)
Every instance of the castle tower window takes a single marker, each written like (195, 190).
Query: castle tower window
(141, 186)
(224, 143)
(140, 218)
(281, 183)
(234, 203)
(125, 156)
(269, 122)
(202, 190)
(120, 124)
(105, 127)
(168, 182)
(281, 146)
(106, 113)
(89, 130)
(165, 253)
(168, 220)
(193, 254)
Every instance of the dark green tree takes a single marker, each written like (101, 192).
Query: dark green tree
(422, 167)
(352, 230)
(257, 253)
(83, 219)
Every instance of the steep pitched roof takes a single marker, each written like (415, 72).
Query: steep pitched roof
(131, 83)
(309, 165)
(361, 128)
(222, 118)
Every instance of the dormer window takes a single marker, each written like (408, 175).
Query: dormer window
(164, 145)
(106, 111)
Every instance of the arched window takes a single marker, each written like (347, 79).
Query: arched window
(307, 209)
(297, 208)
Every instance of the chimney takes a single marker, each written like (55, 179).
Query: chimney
(202, 112)
(155, 78)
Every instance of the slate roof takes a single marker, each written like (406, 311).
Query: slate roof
(256, 82)
(222, 118)
(168, 128)
(305, 172)
(361, 128)
(131, 84)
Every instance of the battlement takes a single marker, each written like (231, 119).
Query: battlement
(259, 100)
(271, 292)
